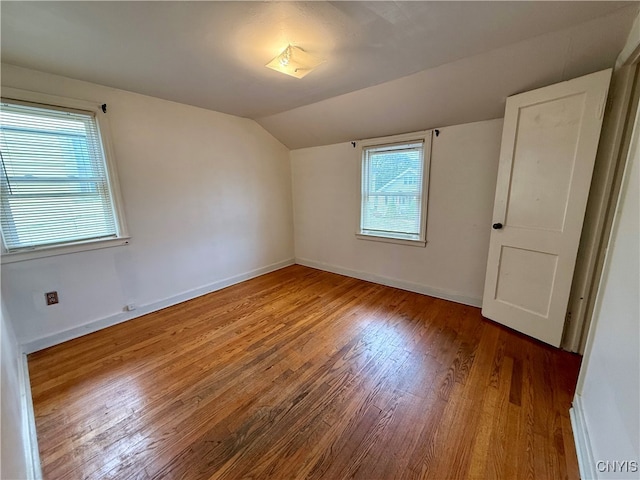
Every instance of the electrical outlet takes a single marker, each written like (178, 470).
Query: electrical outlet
(52, 298)
(130, 307)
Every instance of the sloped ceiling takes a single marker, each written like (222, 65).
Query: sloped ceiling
(390, 66)
(468, 90)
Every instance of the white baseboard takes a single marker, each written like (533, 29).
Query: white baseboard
(95, 325)
(29, 437)
(394, 282)
(581, 439)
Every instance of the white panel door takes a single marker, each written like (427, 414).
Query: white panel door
(549, 142)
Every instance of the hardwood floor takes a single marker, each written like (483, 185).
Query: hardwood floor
(305, 374)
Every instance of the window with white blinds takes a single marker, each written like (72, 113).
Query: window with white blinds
(55, 187)
(393, 191)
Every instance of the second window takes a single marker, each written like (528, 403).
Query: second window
(394, 187)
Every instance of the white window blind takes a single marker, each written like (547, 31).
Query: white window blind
(392, 191)
(54, 182)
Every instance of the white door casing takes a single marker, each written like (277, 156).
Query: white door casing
(549, 142)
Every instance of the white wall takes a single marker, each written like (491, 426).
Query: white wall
(608, 394)
(464, 162)
(14, 442)
(207, 198)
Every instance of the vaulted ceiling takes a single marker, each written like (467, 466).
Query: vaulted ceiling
(390, 66)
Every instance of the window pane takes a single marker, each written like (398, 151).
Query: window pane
(392, 190)
(54, 182)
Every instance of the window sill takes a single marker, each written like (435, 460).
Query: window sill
(399, 241)
(43, 252)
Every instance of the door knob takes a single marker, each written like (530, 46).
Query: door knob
(497, 226)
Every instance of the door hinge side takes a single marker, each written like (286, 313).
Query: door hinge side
(602, 106)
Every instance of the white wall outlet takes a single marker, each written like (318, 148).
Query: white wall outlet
(130, 307)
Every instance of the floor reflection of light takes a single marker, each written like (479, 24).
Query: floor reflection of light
(118, 433)
(382, 332)
(387, 340)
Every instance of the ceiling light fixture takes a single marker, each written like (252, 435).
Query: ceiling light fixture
(294, 61)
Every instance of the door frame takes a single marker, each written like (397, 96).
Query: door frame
(605, 186)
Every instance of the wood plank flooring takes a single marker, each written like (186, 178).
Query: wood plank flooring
(303, 374)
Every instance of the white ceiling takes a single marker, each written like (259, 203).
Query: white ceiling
(212, 54)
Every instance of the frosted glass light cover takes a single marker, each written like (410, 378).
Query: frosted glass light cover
(294, 61)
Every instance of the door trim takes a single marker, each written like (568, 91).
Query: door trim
(605, 186)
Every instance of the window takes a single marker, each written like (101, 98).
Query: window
(56, 186)
(394, 188)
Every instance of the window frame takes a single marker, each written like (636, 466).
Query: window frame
(425, 137)
(53, 102)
